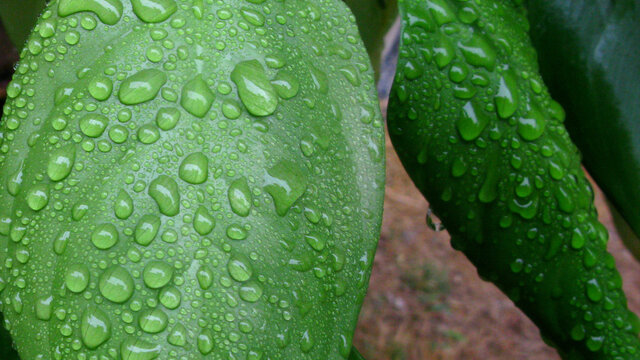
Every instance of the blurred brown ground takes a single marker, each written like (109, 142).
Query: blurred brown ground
(425, 299)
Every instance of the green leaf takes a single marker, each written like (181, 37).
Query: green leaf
(190, 178)
(19, 17)
(374, 18)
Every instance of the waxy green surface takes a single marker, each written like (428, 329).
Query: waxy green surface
(483, 140)
(193, 178)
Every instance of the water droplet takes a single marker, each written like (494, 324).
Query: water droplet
(315, 241)
(147, 229)
(148, 134)
(286, 85)
(93, 125)
(154, 11)
(61, 162)
(532, 126)
(100, 88)
(61, 242)
(285, 182)
(255, 91)
(157, 274)
(194, 169)
(443, 51)
(43, 308)
(95, 328)
(205, 342)
(38, 197)
(253, 17)
(440, 11)
(116, 284)
(164, 191)
(205, 277)
(134, 348)
(471, 122)
(306, 343)
(240, 197)
(14, 182)
(77, 278)
(105, 236)
(153, 321)
(170, 297)
(231, 109)
(240, 268)
(141, 87)
(123, 207)
(236, 232)
(203, 222)
(250, 291)
(478, 52)
(109, 11)
(594, 290)
(178, 336)
(507, 97)
(197, 97)
(167, 118)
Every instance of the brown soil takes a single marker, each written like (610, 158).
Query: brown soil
(426, 300)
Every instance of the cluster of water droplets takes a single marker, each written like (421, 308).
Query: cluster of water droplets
(206, 178)
(489, 149)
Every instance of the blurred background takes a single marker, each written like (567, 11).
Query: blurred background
(425, 299)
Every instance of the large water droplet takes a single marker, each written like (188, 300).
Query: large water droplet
(164, 191)
(157, 274)
(116, 284)
(77, 278)
(167, 118)
(507, 97)
(197, 97)
(38, 197)
(471, 122)
(147, 229)
(141, 87)
(478, 52)
(194, 169)
(285, 182)
(123, 207)
(153, 321)
(134, 348)
(203, 222)
(240, 197)
(93, 125)
(61, 162)
(251, 291)
(170, 297)
(95, 328)
(255, 90)
(100, 88)
(240, 268)
(109, 11)
(154, 11)
(105, 236)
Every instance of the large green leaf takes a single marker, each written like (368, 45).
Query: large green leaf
(182, 178)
